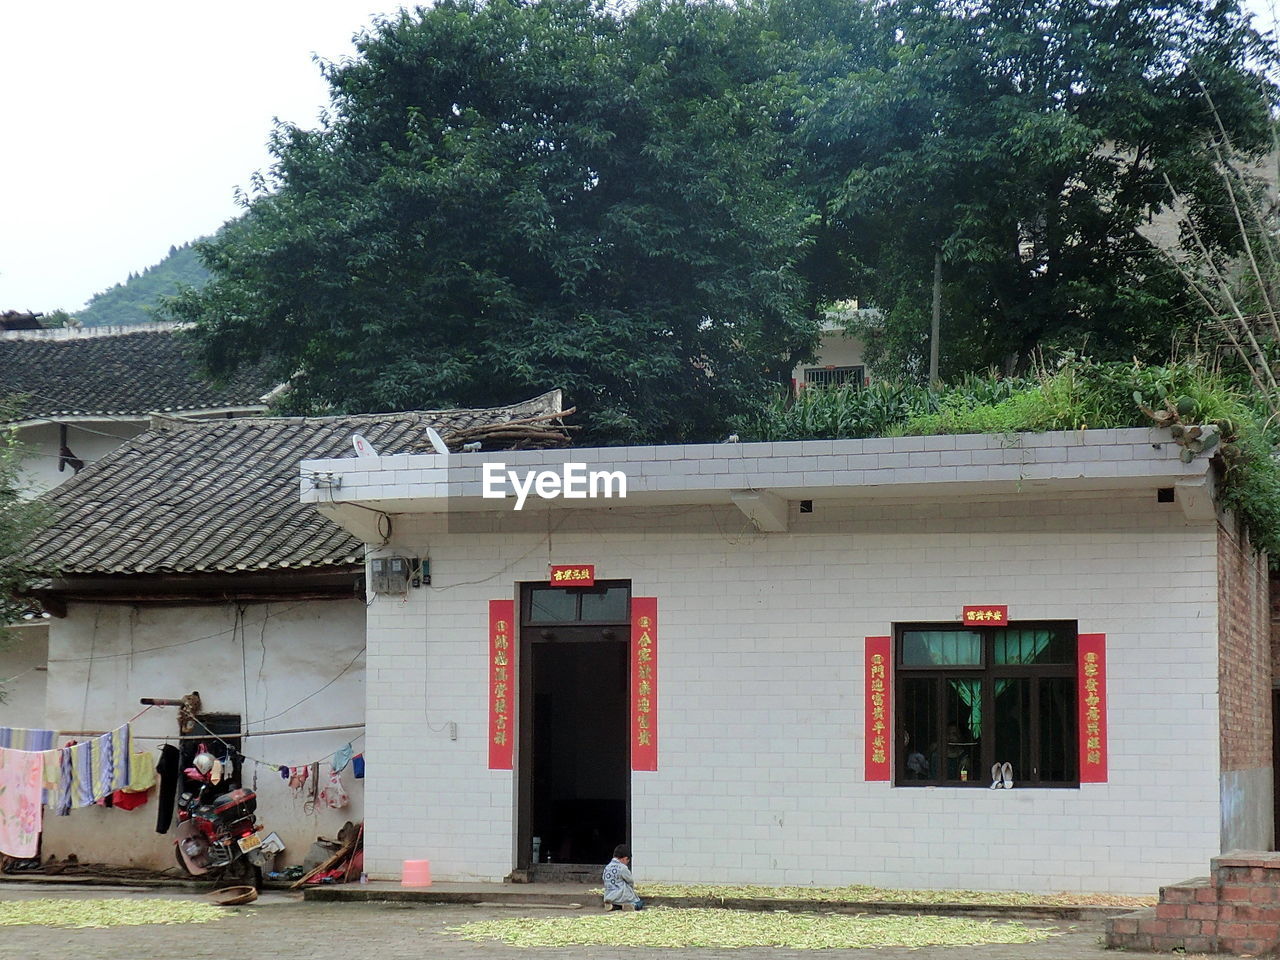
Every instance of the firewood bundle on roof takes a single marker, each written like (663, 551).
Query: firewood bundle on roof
(529, 433)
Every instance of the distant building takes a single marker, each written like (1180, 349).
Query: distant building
(184, 561)
(840, 354)
(82, 392)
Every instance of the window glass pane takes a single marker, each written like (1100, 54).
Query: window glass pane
(923, 648)
(918, 726)
(963, 745)
(1011, 725)
(605, 604)
(552, 605)
(1058, 744)
(1034, 646)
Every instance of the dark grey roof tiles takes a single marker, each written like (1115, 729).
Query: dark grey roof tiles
(125, 372)
(223, 495)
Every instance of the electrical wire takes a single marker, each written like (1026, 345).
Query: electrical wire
(542, 541)
(169, 646)
(359, 653)
(220, 738)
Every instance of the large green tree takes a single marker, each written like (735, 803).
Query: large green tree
(1025, 142)
(518, 194)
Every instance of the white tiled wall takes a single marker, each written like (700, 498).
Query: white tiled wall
(761, 713)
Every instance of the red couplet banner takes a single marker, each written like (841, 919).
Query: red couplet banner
(879, 658)
(1091, 696)
(501, 683)
(644, 683)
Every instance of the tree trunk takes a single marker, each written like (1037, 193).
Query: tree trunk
(936, 327)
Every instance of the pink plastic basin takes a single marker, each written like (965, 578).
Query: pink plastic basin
(415, 873)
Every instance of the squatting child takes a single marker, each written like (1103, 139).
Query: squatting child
(619, 886)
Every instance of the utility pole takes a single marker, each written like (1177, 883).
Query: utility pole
(937, 317)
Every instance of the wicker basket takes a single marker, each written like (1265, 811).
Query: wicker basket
(233, 896)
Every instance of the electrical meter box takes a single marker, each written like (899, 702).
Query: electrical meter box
(390, 575)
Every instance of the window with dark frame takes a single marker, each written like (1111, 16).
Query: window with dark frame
(968, 698)
(834, 376)
(607, 602)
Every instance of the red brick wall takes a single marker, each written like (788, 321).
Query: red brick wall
(1275, 630)
(1245, 653)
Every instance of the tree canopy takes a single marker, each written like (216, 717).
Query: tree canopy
(1028, 142)
(513, 196)
(650, 206)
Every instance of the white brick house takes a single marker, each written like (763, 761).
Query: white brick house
(771, 565)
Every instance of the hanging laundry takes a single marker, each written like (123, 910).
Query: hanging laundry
(342, 758)
(142, 771)
(82, 774)
(169, 769)
(129, 799)
(334, 793)
(50, 769)
(23, 738)
(357, 766)
(298, 778)
(61, 800)
(115, 760)
(20, 788)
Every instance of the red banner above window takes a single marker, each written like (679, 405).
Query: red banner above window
(501, 683)
(573, 575)
(986, 614)
(1092, 698)
(879, 658)
(644, 683)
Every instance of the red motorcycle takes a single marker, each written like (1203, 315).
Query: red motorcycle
(217, 836)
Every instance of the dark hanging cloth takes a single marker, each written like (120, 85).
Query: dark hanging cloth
(170, 769)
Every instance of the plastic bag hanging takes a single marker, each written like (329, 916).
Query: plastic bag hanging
(334, 794)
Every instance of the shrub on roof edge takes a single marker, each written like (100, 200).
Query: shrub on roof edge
(1075, 394)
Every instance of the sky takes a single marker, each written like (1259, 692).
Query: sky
(126, 127)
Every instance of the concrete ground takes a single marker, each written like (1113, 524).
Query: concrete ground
(280, 925)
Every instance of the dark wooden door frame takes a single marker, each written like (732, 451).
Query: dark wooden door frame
(529, 635)
(1275, 768)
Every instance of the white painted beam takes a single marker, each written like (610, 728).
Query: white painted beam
(1196, 497)
(766, 510)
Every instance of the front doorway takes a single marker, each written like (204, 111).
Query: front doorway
(574, 764)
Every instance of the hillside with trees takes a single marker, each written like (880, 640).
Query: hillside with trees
(136, 299)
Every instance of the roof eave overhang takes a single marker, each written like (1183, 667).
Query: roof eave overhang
(323, 583)
(763, 479)
(141, 419)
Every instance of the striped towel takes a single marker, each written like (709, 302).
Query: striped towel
(115, 760)
(62, 796)
(23, 738)
(82, 779)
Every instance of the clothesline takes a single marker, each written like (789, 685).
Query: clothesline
(244, 734)
(105, 767)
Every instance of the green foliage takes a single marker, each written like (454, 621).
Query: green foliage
(515, 196)
(650, 204)
(138, 298)
(1076, 394)
(1027, 140)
